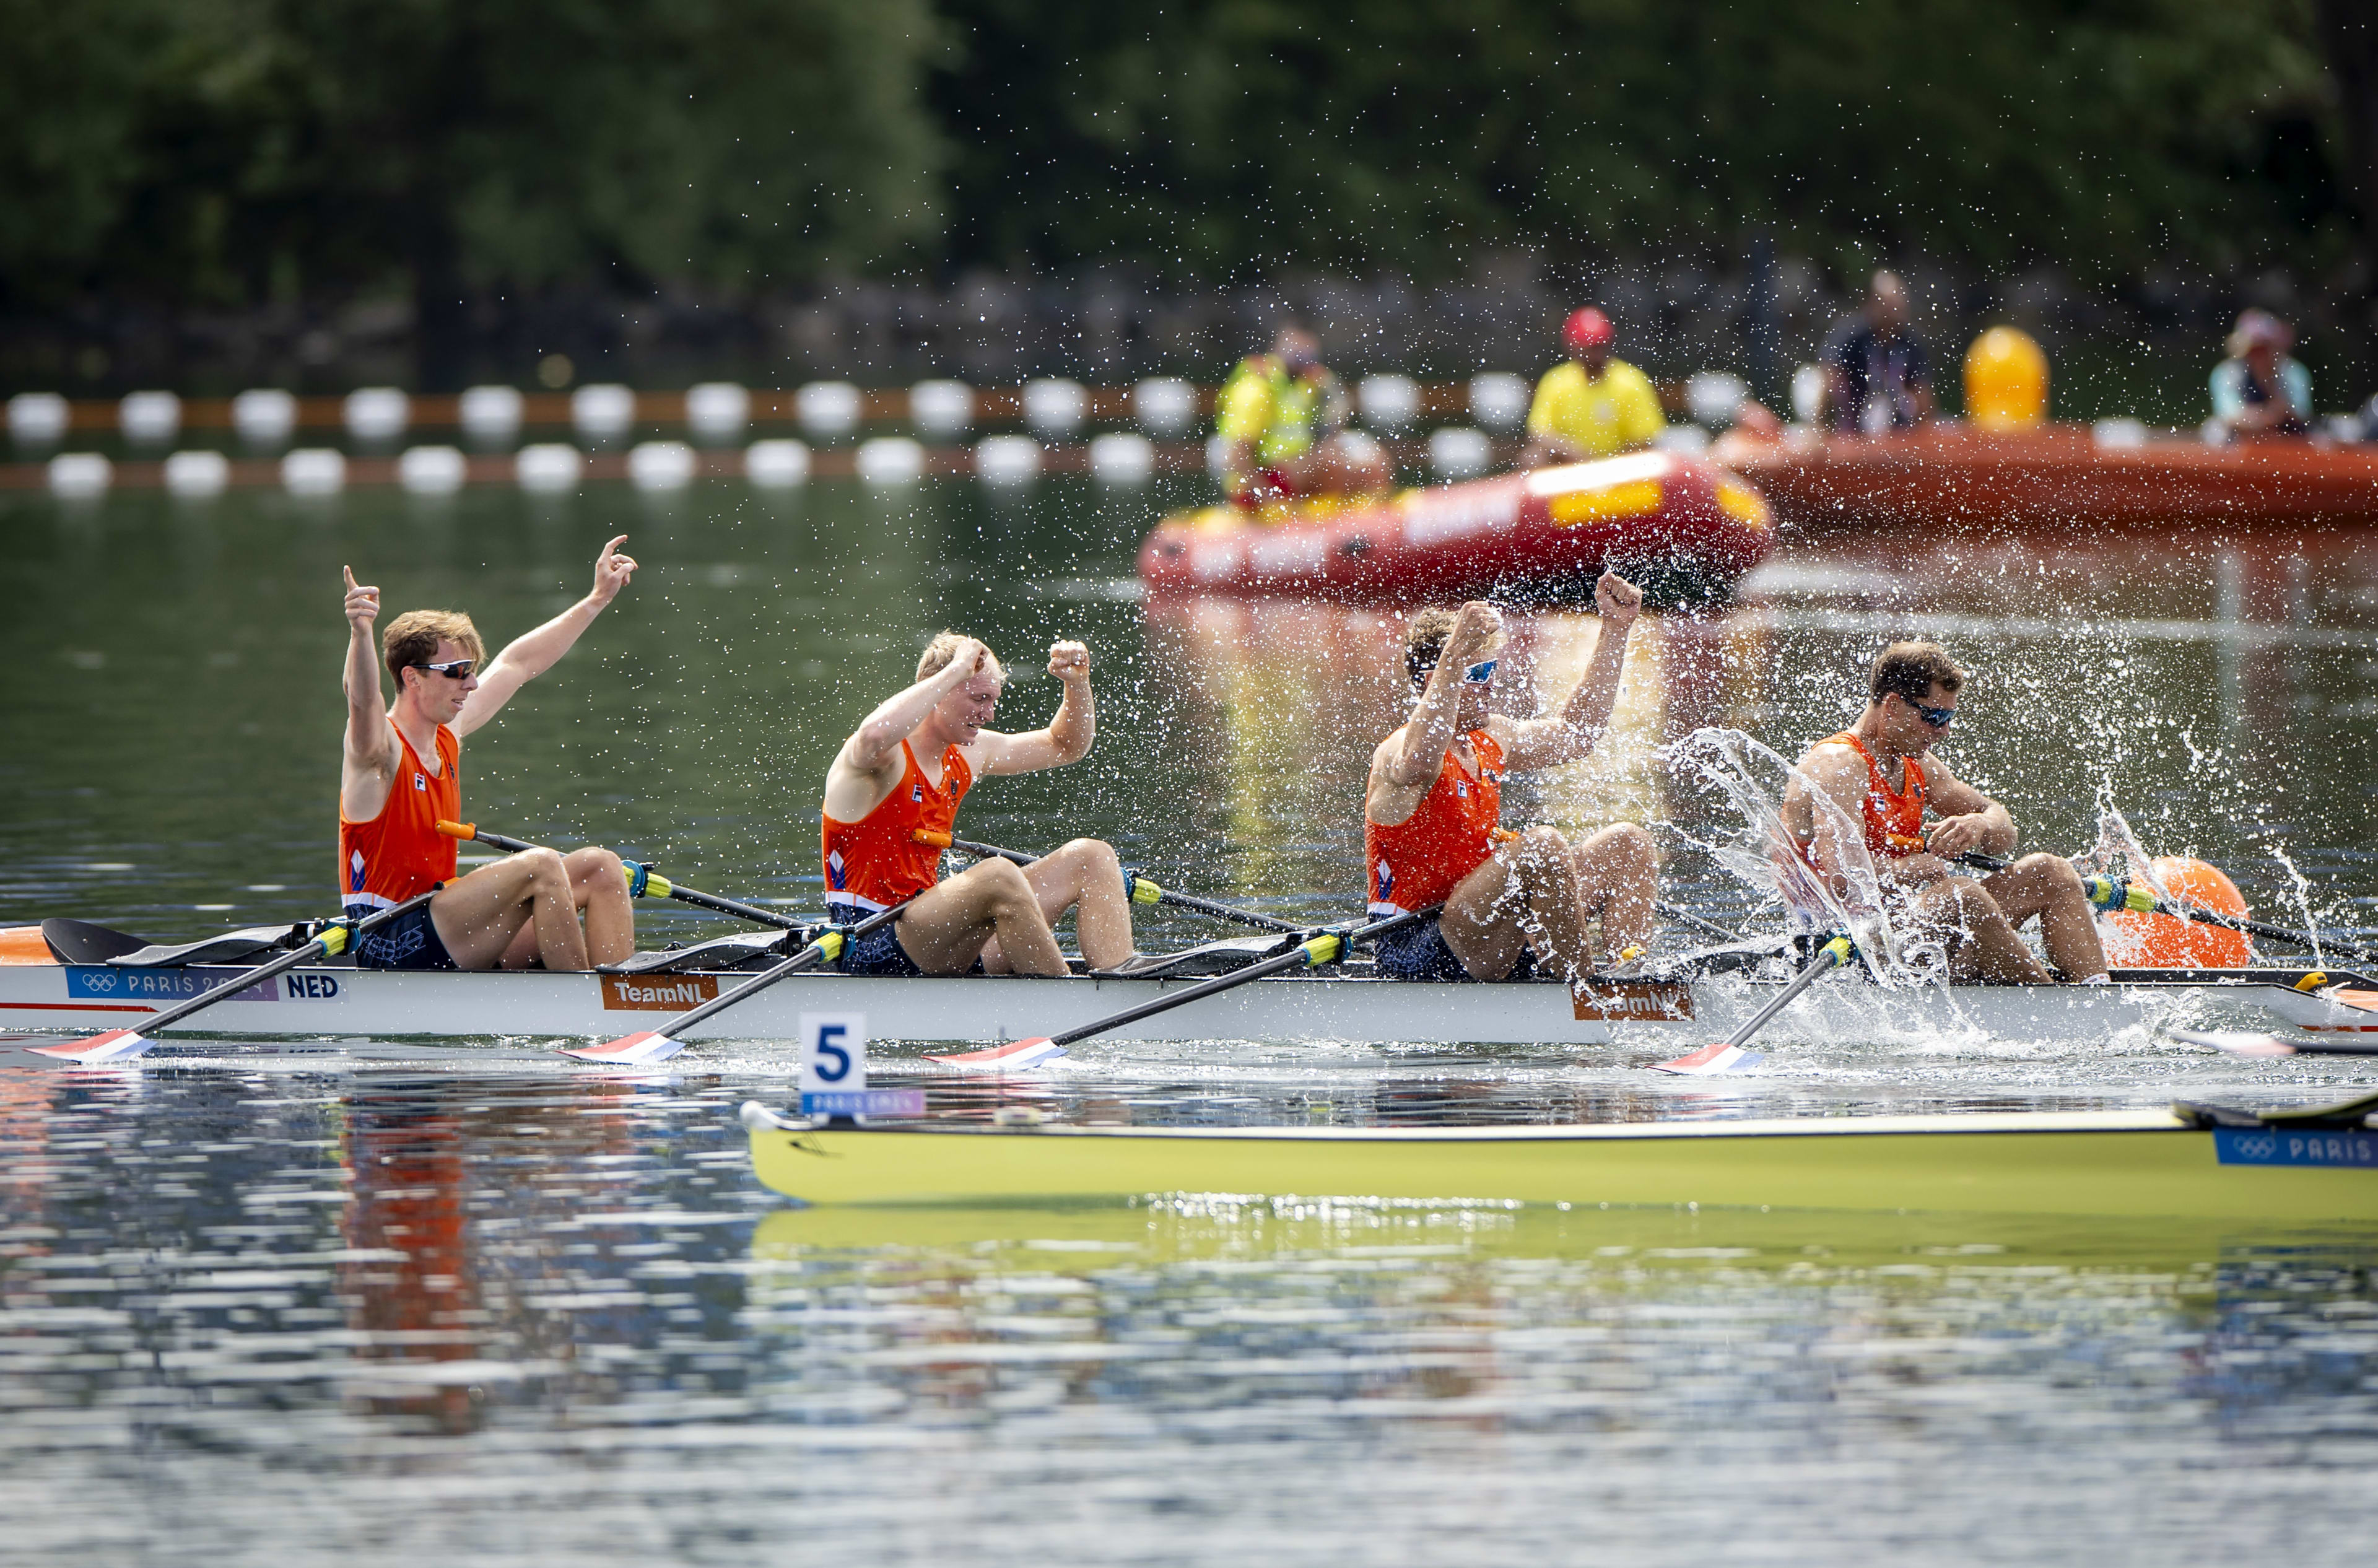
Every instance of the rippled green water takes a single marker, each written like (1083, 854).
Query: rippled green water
(421, 1304)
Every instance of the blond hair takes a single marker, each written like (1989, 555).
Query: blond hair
(943, 648)
(412, 639)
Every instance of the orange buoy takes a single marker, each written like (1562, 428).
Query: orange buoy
(2006, 381)
(2165, 941)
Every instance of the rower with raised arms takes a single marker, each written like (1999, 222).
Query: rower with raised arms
(892, 798)
(1916, 817)
(398, 780)
(1432, 810)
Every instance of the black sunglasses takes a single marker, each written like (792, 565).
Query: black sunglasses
(1937, 717)
(452, 669)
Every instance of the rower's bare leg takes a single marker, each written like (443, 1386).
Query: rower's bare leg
(1617, 877)
(1085, 876)
(598, 891)
(2048, 886)
(1527, 888)
(479, 917)
(1983, 941)
(946, 927)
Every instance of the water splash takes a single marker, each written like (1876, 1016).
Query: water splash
(1766, 856)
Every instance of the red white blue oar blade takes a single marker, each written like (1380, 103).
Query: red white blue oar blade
(2235, 1042)
(629, 1051)
(1014, 1054)
(116, 1044)
(1723, 1057)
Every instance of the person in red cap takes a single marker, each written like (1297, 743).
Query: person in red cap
(1590, 405)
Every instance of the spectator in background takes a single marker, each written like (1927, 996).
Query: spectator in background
(1590, 405)
(1877, 376)
(1281, 417)
(2259, 389)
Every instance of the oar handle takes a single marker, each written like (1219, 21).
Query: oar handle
(1143, 889)
(334, 939)
(643, 880)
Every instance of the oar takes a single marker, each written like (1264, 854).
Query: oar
(2113, 892)
(659, 1045)
(641, 879)
(2240, 1043)
(1727, 1055)
(118, 1045)
(1327, 947)
(1142, 889)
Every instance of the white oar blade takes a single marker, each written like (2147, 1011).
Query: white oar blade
(631, 1050)
(1723, 1057)
(116, 1044)
(1016, 1054)
(2235, 1042)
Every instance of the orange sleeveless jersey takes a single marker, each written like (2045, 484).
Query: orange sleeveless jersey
(1421, 859)
(401, 852)
(1894, 824)
(876, 862)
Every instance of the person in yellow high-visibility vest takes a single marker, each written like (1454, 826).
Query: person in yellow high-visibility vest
(1590, 405)
(1280, 417)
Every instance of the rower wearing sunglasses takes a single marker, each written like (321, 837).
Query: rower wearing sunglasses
(1918, 817)
(1431, 815)
(399, 779)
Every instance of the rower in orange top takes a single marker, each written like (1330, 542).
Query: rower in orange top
(1431, 812)
(399, 778)
(1916, 817)
(903, 773)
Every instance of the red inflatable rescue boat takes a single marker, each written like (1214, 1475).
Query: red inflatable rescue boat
(1683, 527)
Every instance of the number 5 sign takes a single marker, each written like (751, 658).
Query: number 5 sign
(833, 1071)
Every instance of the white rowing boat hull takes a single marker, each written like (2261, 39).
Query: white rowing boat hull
(331, 1002)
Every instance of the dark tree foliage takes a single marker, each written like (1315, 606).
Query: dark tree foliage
(1198, 135)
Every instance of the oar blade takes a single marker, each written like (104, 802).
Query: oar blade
(629, 1051)
(1725, 1056)
(1015, 1055)
(116, 1044)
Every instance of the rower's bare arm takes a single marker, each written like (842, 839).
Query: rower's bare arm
(1069, 735)
(1970, 821)
(369, 760)
(532, 654)
(1412, 757)
(874, 745)
(1548, 743)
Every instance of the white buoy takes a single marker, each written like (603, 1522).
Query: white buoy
(1389, 402)
(779, 464)
(2118, 434)
(1217, 456)
(1122, 458)
(1361, 447)
(890, 460)
(828, 409)
(197, 475)
(150, 419)
(432, 470)
(660, 466)
(1809, 393)
(378, 413)
(602, 411)
(717, 411)
(1458, 453)
(1499, 399)
(264, 416)
(1165, 405)
(1055, 407)
(1687, 438)
(38, 419)
(941, 408)
(1714, 398)
(1006, 459)
(2213, 433)
(490, 415)
(314, 471)
(78, 475)
(548, 466)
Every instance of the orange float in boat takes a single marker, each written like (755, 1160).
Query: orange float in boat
(2165, 941)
